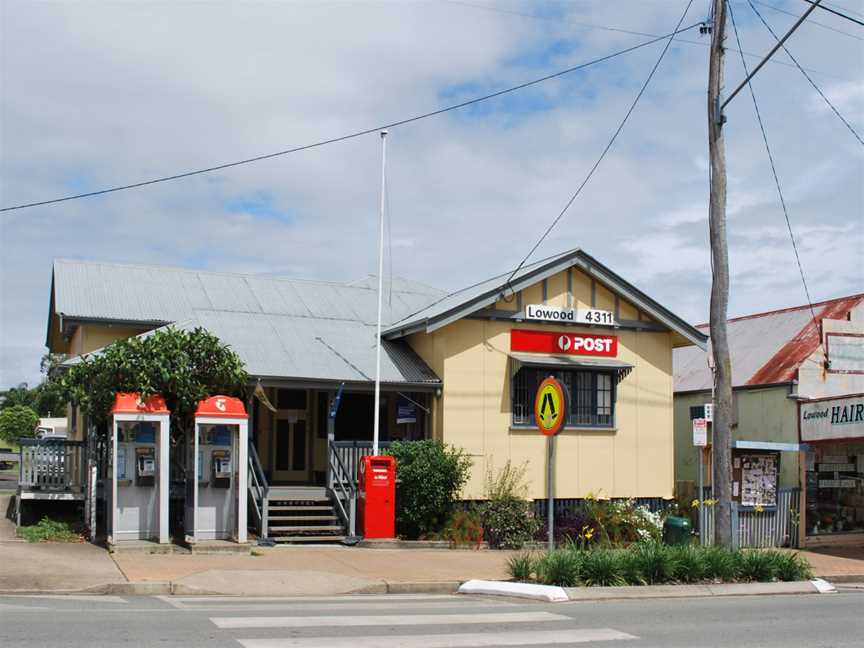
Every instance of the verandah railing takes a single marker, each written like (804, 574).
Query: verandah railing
(56, 465)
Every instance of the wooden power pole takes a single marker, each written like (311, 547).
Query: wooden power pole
(722, 433)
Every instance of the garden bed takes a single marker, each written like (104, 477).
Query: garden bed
(653, 563)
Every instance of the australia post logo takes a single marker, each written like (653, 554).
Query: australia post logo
(567, 343)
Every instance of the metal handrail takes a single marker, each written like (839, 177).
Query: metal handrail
(259, 489)
(347, 487)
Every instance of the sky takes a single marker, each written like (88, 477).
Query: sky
(100, 93)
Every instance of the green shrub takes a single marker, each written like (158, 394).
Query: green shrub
(522, 567)
(48, 530)
(430, 477)
(654, 561)
(689, 563)
(508, 518)
(793, 567)
(757, 565)
(603, 567)
(622, 521)
(720, 563)
(560, 567)
(18, 421)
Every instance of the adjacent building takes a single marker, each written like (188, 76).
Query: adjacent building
(798, 413)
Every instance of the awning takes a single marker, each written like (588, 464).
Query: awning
(519, 360)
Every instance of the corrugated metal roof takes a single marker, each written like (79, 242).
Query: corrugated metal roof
(281, 328)
(132, 293)
(484, 294)
(765, 348)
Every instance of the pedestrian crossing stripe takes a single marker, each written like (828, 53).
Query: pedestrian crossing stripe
(458, 640)
(385, 620)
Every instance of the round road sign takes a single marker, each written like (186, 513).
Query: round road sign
(550, 407)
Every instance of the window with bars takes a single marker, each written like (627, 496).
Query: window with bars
(591, 396)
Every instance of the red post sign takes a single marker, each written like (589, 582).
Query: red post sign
(566, 343)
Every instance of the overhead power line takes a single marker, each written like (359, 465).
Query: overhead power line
(773, 166)
(837, 13)
(587, 25)
(807, 76)
(810, 22)
(606, 149)
(342, 138)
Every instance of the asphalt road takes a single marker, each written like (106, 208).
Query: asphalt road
(419, 621)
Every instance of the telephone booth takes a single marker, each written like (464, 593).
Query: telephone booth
(139, 469)
(216, 471)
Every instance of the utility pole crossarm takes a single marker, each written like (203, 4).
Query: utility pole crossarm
(768, 56)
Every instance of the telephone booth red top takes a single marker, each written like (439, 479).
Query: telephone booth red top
(221, 407)
(131, 403)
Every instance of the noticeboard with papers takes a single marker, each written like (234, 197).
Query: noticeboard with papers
(755, 477)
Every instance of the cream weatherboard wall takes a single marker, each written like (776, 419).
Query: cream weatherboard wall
(635, 459)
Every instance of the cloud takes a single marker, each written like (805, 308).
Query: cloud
(103, 93)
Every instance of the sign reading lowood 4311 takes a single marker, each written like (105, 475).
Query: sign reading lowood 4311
(567, 343)
(576, 316)
(834, 418)
(550, 407)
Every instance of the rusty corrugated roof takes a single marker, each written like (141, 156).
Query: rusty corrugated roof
(766, 348)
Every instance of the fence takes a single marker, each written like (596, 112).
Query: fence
(51, 465)
(775, 526)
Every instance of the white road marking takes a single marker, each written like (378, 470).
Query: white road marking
(100, 598)
(346, 600)
(385, 620)
(462, 640)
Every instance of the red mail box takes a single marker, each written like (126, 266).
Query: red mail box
(377, 515)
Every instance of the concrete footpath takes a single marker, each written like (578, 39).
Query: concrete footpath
(55, 567)
(286, 571)
(837, 564)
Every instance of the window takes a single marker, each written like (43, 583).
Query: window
(591, 393)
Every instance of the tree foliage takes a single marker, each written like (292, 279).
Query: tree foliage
(183, 366)
(430, 478)
(17, 422)
(46, 399)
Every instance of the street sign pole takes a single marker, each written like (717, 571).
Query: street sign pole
(700, 455)
(550, 489)
(550, 413)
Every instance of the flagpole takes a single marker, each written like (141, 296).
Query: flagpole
(375, 430)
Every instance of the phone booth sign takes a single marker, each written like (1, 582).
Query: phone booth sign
(139, 469)
(377, 483)
(216, 473)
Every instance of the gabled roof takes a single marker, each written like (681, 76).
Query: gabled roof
(463, 302)
(280, 327)
(765, 348)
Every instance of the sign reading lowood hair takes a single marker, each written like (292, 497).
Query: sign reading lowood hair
(566, 343)
(836, 418)
(572, 315)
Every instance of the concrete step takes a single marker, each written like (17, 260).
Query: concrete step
(300, 508)
(309, 538)
(335, 528)
(302, 518)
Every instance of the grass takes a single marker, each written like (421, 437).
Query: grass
(655, 564)
(48, 530)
